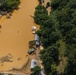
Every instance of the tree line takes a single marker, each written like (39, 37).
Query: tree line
(9, 5)
(59, 25)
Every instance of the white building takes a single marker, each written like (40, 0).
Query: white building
(33, 63)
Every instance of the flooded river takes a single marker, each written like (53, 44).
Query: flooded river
(15, 35)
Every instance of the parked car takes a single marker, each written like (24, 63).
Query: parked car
(31, 50)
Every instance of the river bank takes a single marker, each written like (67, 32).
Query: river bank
(15, 35)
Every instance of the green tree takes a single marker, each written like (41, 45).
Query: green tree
(54, 36)
(71, 65)
(39, 32)
(9, 5)
(1, 74)
(47, 27)
(41, 14)
(36, 70)
(40, 18)
(49, 56)
(60, 25)
(55, 4)
(53, 70)
(71, 38)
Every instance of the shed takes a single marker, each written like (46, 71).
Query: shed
(31, 50)
(33, 27)
(36, 37)
(37, 43)
(33, 63)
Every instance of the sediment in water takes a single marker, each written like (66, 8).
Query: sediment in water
(16, 33)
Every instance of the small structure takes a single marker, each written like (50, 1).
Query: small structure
(33, 29)
(32, 43)
(33, 63)
(37, 40)
(36, 37)
(31, 50)
(37, 43)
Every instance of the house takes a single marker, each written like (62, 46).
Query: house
(33, 63)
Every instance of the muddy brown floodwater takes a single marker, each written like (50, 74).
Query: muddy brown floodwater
(15, 35)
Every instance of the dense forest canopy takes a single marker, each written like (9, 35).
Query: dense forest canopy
(58, 36)
(8, 5)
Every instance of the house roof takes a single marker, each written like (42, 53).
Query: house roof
(33, 63)
(32, 49)
(36, 37)
(37, 43)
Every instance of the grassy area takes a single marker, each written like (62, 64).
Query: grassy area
(62, 49)
(62, 58)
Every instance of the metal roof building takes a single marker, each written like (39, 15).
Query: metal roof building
(33, 63)
(36, 37)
